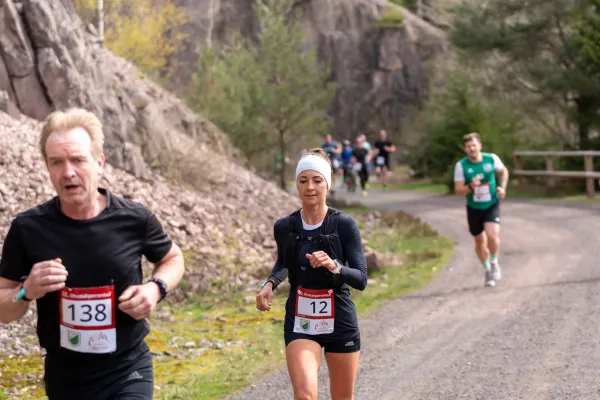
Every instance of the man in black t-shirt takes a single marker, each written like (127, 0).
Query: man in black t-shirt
(78, 256)
(383, 148)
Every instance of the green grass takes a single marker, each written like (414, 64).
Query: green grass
(215, 373)
(423, 186)
(527, 191)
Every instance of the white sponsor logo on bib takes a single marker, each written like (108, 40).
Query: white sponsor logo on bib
(314, 311)
(88, 320)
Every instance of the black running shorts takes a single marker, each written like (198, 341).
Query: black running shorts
(350, 345)
(131, 379)
(477, 218)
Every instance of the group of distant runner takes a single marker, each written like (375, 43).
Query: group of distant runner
(354, 163)
(78, 256)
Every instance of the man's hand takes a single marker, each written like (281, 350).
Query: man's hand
(45, 277)
(321, 259)
(140, 300)
(476, 181)
(501, 192)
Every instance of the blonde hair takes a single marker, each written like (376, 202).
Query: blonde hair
(471, 136)
(62, 121)
(317, 151)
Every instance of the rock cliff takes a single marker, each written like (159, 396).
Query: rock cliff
(49, 60)
(379, 72)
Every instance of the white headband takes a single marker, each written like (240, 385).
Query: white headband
(315, 163)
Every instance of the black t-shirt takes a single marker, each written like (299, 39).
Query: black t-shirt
(360, 153)
(380, 145)
(97, 252)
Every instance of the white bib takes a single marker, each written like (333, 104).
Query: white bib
(380, 160)
(314, 311)
(357, 166)
(88, 320)
(482, 193)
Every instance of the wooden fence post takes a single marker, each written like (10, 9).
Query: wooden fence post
(517, 160)
(550, 168)
(589, 181)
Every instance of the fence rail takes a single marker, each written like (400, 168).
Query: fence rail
(588, 160)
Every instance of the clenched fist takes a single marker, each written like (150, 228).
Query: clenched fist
(45, 277)
(140, 300)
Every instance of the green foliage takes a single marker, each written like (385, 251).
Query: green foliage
(454, 113)
(545, 49)
(266, 97)
(390, 18)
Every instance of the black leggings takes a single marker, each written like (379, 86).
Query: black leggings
(363, 174)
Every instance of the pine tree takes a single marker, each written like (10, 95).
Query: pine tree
(269, 95)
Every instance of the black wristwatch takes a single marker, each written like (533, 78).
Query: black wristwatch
(162, 286)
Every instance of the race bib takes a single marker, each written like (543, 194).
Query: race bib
(482, 193)
(357, 166)
(336, 163)
(314, 311)
(380, 160)
(87, 320)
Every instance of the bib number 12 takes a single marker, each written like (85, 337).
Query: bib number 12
(322, 304)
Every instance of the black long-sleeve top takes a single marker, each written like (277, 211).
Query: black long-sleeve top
(302, 274)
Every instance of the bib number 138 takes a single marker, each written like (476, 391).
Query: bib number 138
(94, 313)
(87, 319)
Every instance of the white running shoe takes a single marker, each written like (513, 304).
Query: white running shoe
(496, 273)
(489, 280)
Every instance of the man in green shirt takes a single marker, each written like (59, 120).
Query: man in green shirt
(475, 178)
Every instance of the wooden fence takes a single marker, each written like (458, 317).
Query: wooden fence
(588, 158)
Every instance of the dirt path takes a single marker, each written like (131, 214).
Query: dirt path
(534, 336)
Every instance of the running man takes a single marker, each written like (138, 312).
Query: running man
(78, 256)
(383, 148)
(475, 178)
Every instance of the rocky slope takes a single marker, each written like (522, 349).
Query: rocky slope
(380, 73)
(49, 60)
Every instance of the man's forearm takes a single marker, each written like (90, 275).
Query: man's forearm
(170, 271)
(462, 191)
(504, 178)
(9, 310)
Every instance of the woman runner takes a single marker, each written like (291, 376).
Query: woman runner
(320, 250)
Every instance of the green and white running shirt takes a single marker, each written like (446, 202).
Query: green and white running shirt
(465, 170)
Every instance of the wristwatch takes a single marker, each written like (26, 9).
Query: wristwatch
(338, 269)
(162, 286)
(21, 293)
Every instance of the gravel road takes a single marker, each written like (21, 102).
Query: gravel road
(533, 336)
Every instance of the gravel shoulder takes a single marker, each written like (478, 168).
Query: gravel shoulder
(533, 336)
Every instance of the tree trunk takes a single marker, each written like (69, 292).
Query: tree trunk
(282, 170)
(586, 109)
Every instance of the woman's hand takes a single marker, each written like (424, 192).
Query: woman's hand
(321, 259)
(265, 293)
